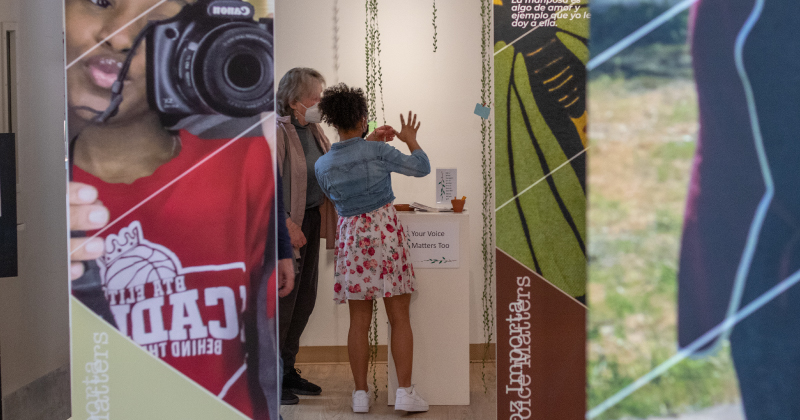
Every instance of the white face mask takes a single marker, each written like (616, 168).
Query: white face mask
(312, 113)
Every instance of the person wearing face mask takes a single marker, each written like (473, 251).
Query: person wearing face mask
(372, 253)
(300, 142)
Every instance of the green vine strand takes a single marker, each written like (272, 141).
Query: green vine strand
(336, 40)
(434, 25)
(368, 49)
(373, 347)
(374, 71)
(378, 60)
(487, 157)
(372, 49)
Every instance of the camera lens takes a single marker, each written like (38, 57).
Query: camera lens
(233, 69)
(243, 71)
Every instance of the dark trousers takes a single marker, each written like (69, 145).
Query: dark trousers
(766, 346)
(295, 309)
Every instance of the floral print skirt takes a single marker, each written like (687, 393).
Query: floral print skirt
(372, 257)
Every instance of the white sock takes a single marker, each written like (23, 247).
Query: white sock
(408, 390)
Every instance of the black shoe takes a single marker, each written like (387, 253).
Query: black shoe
(298, 385)
(288, 397)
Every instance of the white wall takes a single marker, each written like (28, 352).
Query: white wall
(441, 87)
(9, 11)
(34, 334)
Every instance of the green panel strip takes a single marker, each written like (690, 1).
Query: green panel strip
(113, 378)
(558, 253)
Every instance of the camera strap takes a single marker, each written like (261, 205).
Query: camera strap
(116, 88)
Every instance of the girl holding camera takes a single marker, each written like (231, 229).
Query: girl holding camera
(181, 261)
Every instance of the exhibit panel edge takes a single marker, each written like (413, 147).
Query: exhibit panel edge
(540, 209)
(112, 373)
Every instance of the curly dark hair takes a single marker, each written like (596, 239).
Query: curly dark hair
(343, 107)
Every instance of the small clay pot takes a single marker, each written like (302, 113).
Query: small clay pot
(458, 205)
(402, 207)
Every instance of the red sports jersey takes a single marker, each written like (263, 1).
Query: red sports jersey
(177, 271)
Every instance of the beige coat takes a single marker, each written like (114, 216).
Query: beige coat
(288, 143)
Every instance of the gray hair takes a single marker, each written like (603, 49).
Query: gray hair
(295, 84)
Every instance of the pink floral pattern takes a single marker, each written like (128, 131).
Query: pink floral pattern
(372, 257)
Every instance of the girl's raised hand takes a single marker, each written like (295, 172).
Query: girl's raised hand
(408, 131)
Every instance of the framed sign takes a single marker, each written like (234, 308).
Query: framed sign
(433, 245)
(446, 184)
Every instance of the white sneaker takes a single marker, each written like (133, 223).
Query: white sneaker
(360, 402)
(409, 401)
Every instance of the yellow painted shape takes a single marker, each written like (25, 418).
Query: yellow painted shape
(580, 124)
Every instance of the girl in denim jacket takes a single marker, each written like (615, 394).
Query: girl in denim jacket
(372, 250)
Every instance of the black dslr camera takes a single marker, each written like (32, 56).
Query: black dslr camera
(211, 58)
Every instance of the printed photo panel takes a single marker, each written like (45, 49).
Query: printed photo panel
(690, 261)
(172, 194)
(540, 55)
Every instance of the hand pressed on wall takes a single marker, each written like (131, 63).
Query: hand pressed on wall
(408, 131)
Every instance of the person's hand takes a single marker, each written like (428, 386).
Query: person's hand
(383, 133)
(295, 234)
(86, 212)
(408, 131)
(285, 277)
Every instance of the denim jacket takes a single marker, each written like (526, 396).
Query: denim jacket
(355, 174)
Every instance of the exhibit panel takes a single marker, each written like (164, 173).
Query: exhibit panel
(441, 326)
(540, 54)
(172, 209)
(679, 180)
